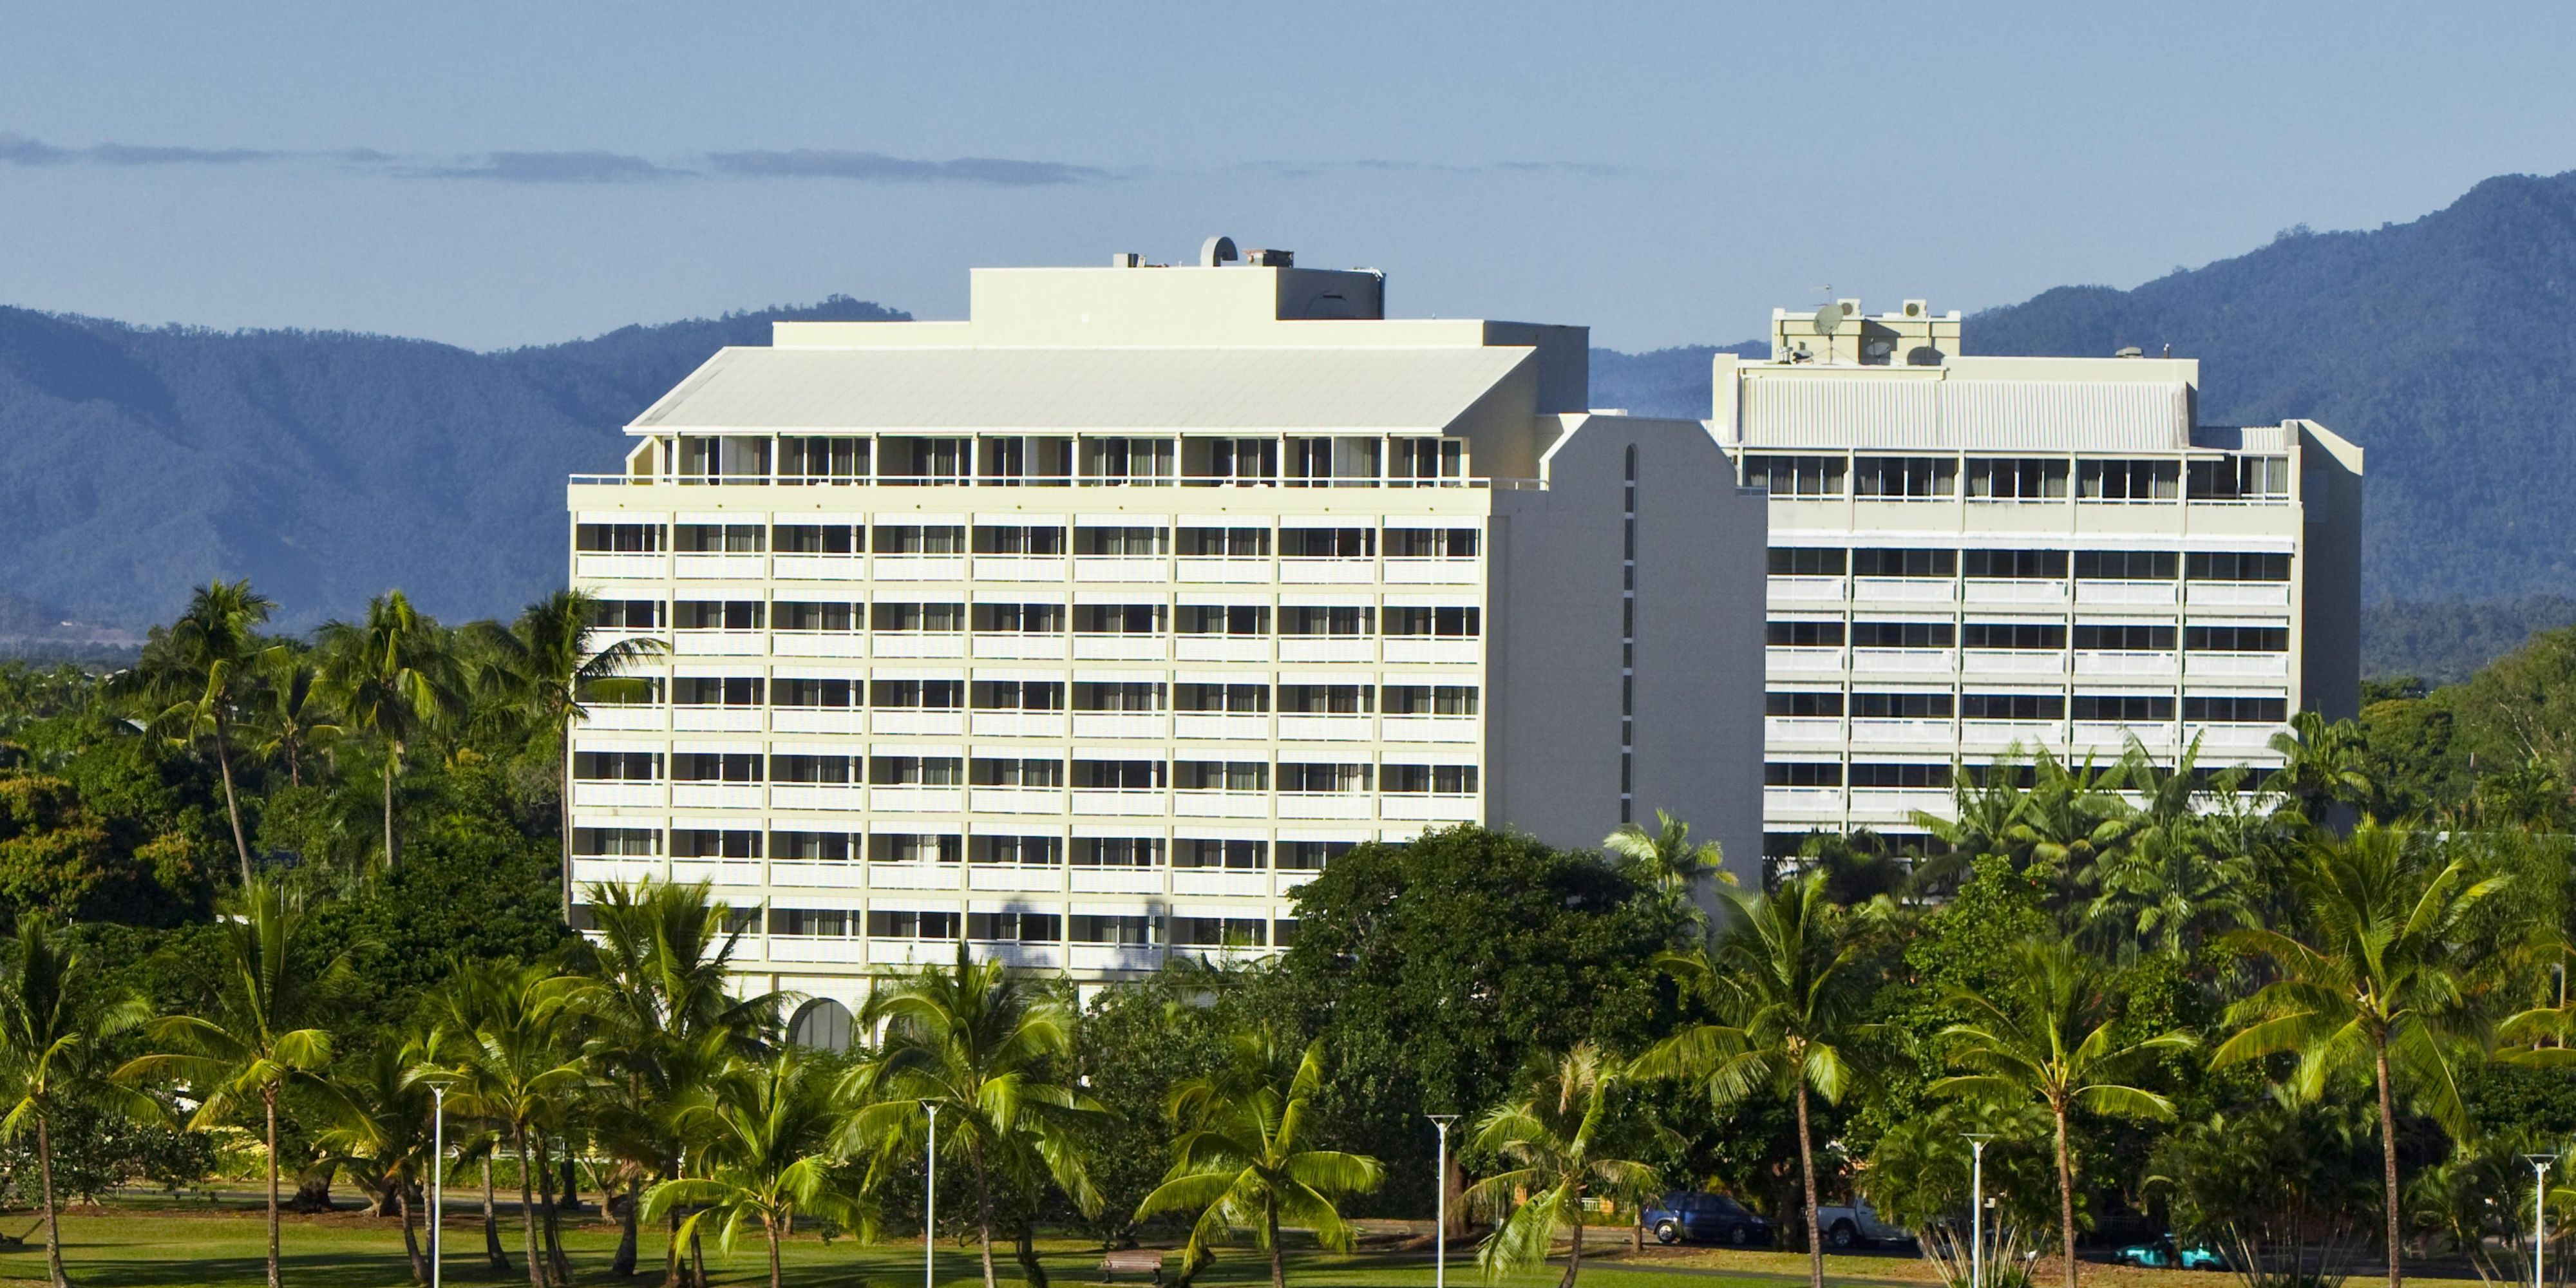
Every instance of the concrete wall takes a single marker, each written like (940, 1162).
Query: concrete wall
(1554, 711)
(2330, 496)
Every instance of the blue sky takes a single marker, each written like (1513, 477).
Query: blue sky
(499, 174)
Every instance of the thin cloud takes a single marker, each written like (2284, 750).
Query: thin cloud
(18, 149)
(1380, 165)
(556, 167)
(877, 167)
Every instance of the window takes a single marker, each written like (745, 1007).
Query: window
(2236, 710)
(795, 768)
(1310, 856)
(715, 767)
(1239, 460)
(821, 460)
(795, 616)
(1132, 695)
(1012, 771)
(626, 614)
(1428, 699)
(813, 847)
(1901, 706)
(926, 460)
(1117, 851)
(2240, 478)
(713, 691)
(1438, 780)
(1118, 775)
(617, 538)
(1867, 775)
(1008, 540)
(818, 539)
(706, 843)
(2012, 706)
(1327, 699)
(2125, 637)
(1431, 543)
(1221, 775)
(1226, 543)
(1019, 695)
(1328, 543)
(2035, 635)
(1122, 542)
(1327, 620)
(1238, 856)
(1905, 476)
(2017, 565)
(1445, 623)
(2124, 707)
(930, 618)
(2017, 479)
(1802, 773)
(1802, 704)
(1795, 476)
(1803, 634)
(1127, 460)
(1025, 851)
(1806, 561)
(922, 695)
(1020, 619)
(1427, 460)
(713, 615)
(611, 842)
(2234, 566)
(920, 539)
(834, 922)
(1125, 932)
(1223, 619)
(1235, 699)
(1015, 927)
(719, 538)
(814, 693)
(1120, 619)
(1324, 778)
(913, 847)
(2126, 565)
(890, 924)
(916, 771)
(1903, 635)
(2236, 639)
(1346, 460)
(1903, 563)
(1219, 932)
(2128, 480)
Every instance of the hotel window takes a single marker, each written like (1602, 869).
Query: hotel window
(1223, 619)
(1219, 932)
(2236, 639)
(1901, 706)
(717, 691)
(1327, 620)
(1127, 696)
(626, 614)
(814, 693)
(1795, 476)
(2236, 710)
(2124, 707)
(818, 539)
(1903, 634)
(1023, 851)
(1802, 704)
(1232, 699)
(2126, 565)
(1020, 619)
(616, 766)
(916, 460)
(1328, 543)
(1803, 634)
(795, 768)
(928, 618)
(1127, 460)
(2012, 706)
(1438, 780)
(1120, 619)
(1445, 623)
(993, 539)
(794, 616)
(1429, 699)
(715, 615)
(617, 538)
(1802, 773)
(1119, 931)
(1118, 775)
(812, 847)
(2240, 478)
(1327, 699)
(1015, 927)
(2031, 635)
(1015, 771)
(1117, 851)
(1234, 855)
(1127, 543)
(1226, 543)
(616, 842)
(719, 538)
(1869, 775)
(1338, 779)
(915, 847)
(1310, 856)
(1237, 460)
(916, 771)
(1221, 775)
(2017, 565)
(1432, 543)
(1877, 562)
(1428, 460)
(2127, 637)
(1908, 477)
(2129, 480)
(1019, 695)
(1342, 460)
(2235, 566)
(715, 766)
(1807, 561)
(2017, 479)
(917, 695)
(830, 922)
(892, 924)
(822, 460)
(707, 843)
(920, 539)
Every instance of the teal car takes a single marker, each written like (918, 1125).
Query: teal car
(2165, 1254)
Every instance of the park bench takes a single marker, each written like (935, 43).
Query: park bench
(1132, 1261)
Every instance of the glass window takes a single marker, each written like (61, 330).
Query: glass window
(1796, 476)
(2017, 479)
(1905, 477)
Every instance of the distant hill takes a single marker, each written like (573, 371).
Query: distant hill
(2447, 642)
(135, 463)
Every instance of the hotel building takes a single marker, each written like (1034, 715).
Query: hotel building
(1084, 630)
(1972, 553)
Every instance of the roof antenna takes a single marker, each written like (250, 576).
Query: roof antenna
(2168, 348)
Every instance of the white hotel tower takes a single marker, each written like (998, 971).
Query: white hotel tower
(1973, 552)
(1086, 629)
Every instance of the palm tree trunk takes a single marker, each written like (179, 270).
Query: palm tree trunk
(1270, 1218)
(697, 1260)
(2388, 1163)
(53, 1234)
(672, 1274)
(393, 860)
(629, 1229)
(268, 1099)
(411, 1239)
(232, 803)
(528, 1208)
(2065, 1197)
(493, 1252)
(1574, 1254)
(1025, 1244)
(1807, 1179)
(558, 1266)
(770, 1228)
(563, 816)
(984, 1215)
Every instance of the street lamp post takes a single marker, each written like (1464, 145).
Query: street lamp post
(2539, 1212)
(1977, 1208)
(930, 1203)
(437, 1177)
(1440, 1188)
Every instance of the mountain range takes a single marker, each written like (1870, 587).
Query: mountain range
(136, 462)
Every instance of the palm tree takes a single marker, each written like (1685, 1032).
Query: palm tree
(247, 1052)
(384, 1131)
(1240, 1159)
(290, 721)
(1549, 1134)
(2322, 765)
(2376, 981)
(768, 1155)
(542, 667)
(2073, 815)
(1780, 977)
(196, 677)
(1667, 857)
(983, 1047)
(2050, 1040)
(499, 1049)
(51, 1031)
(393, 677)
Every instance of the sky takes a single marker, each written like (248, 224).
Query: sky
(493, 175)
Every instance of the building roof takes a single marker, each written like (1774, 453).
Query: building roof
(1037, 390)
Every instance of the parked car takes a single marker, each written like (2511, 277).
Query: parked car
(1857, 1226)
(1705, 1218)
(2165, 1254)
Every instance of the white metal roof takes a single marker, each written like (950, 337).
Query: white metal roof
(2028, 415)
(1007, 390)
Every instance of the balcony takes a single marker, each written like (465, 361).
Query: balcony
(617, 795)
(1117, 880)
(1925, 732)
(1019, 724)
(1120, 802)
(1802, 804)
(797, 567)
(1430, 807)
(1221, 804)
(917, 800)
(1014, 878)
(1098, 568)
(2106, 739)
(1326, 728)
(2016, 593)
(911, 952)
(1019, 567)
(626, 717)
(1903, 661)
(1875, 591)
(833, 950)
(1121, 724)
(1996, 736)
(725, 567)
(628, 869)
(1109, 957)
(1446, 729)
(827, 797)
(719, 643)
(1220, 725)
(619, 567)
(717, 719)
(1284, 884)
(2238, 594)
(1897, 804)
(915, 876)
(1222, 648)
(1809, 733)
(920, 568)
(2099, 664)
(817, 874)
(1327, 648)
(1023, 956)
(818, 720)
(1017, 646)
(1804, 592)
(1980, 663)
(840, 644)
(908, 644)
(1017, 800)
(1410, 649)
(1326, 805)
(1432, 572)
(1299, 571)
(1784, 662)
(2124, 594)
(715, 796)
(2234, 743)
(1219, 881)
(1223, 571)
(1120, 648)
(2237, 666)
(918, 723)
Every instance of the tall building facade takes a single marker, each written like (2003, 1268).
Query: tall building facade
(1086, 629)
(1974, 554)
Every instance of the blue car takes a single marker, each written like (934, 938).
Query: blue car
(1706, 1218)
(2165, 1254)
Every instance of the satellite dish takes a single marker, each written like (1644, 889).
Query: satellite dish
(1829, 319)
(1217, 250)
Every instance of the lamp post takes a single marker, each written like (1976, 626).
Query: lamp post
(1440, 1189)
(1977, 1208)
(930, 1202)
(2539, 1211)
(437, 1177)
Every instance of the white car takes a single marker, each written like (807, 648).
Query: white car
(1857, 1227)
